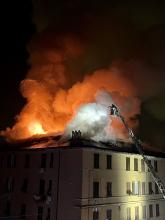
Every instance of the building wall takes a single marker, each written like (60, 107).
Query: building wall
(120, 200)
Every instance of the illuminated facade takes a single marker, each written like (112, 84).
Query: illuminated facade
(82, 181)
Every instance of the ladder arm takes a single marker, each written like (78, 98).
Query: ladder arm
(115, 111)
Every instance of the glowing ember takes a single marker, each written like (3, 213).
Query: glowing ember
(36, 128)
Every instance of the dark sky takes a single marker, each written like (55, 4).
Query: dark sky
(129, 33)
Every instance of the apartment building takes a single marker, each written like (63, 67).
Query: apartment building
(80, 180)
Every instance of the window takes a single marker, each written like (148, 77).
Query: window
(128, 188)
(8, 208)
(135, 187)
(50, 187)
(96, 161)
(149, 161)
(51, 160)
(42, 187)
(142, 165)
(143, 188)
(144, 212)
(109, 214)
(109, 189)
(23, 211)
(150, 211)
(156, 165)
(136, 213)
(1, 161)
(156, 189)
(135, 164)
(27, 161)
(11, 161)
(24, 185)
(40, 213)
(128, 213)
(150, 190)
(127, 163)
(48, 214)
(95, 215)
(157, 210)
(43, 160)
(95, 189)
(109, 161)
(9, 186)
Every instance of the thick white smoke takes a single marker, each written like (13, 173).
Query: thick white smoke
(93, 119)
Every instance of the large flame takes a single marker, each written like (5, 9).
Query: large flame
(51, 108)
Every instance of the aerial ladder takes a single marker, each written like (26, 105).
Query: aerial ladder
(114, 111)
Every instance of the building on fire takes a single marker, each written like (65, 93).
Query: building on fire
(81, 180)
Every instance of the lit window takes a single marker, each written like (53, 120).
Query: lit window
(128, 213)
(109, 161)
(96, 161)
(144, 212)
(109, 189)
(142, 165)
(136, 213)
(109, 214)
(157, 210)
(127, 163)
(95, 189)
(150, 211)
(135, 164)
(135, 187)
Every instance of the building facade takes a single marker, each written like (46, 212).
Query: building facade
(81, 181)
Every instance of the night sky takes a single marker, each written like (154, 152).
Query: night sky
(129, 34)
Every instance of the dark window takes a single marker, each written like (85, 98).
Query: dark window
(27, 161)
(9, 186)
(8, 208)
(150, 190)
(157, 210)
(48, 214)
(109, 214)
(135, 164)
(42, 187)
(109, 189)
(51, 160)
(142, 165)
(1, 161)
(156, 189)
(156, 165)
(127, 163)
(150, 211)
(24, 185)
(149, 161)
(40, 213)
(95, 189)
(23, 211)
(11, 161)
(136, 213)
(96, 161)
(109, 161)
(95, 215)
(43, 160)
(50, 187)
